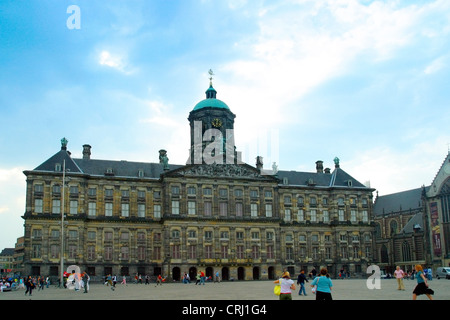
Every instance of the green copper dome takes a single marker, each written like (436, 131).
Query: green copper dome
(214, 103)
(211, 100)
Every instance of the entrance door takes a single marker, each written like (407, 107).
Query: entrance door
(241, 273)
(225, 273)
(176, 274)
(192, 273)
(255, 273)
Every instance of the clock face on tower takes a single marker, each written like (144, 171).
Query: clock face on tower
(216, 123)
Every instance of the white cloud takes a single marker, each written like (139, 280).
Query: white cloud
(115, 61)
(436, 65)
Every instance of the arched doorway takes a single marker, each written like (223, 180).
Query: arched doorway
(255, 273)
(192, 273)
(225, 273)
(271, 272)
(176, 274)
(209, 272)
(241, 273)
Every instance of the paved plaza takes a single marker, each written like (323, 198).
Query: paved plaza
(349, 289)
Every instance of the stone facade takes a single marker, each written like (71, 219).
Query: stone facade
(129, 218)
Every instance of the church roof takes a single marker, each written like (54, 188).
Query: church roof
(400, 201)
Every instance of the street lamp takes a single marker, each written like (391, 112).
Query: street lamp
(62, 226)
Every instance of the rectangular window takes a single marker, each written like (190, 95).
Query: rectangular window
(38, 205)
(108, 209)
(36, 253)
(255, 252)
(92, 192)
(91, 235)
(176, 251)
(268, 210)
(125, 210)
(313, 215)
(341, 215)
(254, 209)
(175, 190)
(157, 253)
(224, 252)
(91, 252)
(223, 193)
(208, 252)
(191, 191)
(223, 209)
(287, 214)
(175, 207)
(240, 252)
(289, 253)
(72, 251)
(365, 216)
(207, 191)
(54, 251)
(269, 252)
(353, 215)
(124, 253)
(92, 210)
(300, 215)
(192, 252)
(109, 193)
(108, 253)
(141, 253)
(238, 193)
(191, 207)
(141, 210)
(239, 211)
(326, 216)
(56, 206)
(157, 211)
(73, 207)
(207, 208)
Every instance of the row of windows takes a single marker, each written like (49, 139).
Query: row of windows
(192, 234)
(313, 215)
(208, 252)
(207, 191)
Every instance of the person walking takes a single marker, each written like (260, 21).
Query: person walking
(86, 279)
(422, 284)
(217, 277)
(124, 280)
(286, 284)
(158, 280)
(323, 285)
(399, 275)
(30, 285)
(301, 281)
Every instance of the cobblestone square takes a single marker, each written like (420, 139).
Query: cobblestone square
(349, 289)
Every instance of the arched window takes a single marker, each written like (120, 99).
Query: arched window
(384, 254)
(377, 231)
(406, 251)
(393, 228)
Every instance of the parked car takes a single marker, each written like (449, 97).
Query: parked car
(443, 272)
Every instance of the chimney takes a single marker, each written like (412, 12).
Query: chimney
(86, 152)
(327, 170)
(319, 166)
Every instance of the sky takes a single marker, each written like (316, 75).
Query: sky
(364, 81)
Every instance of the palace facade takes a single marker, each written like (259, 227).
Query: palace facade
(214, 213)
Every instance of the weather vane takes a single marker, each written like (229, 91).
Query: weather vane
(211, 73)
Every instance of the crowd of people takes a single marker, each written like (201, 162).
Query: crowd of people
(322, 285)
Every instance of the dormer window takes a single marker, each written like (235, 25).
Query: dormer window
(58, 167)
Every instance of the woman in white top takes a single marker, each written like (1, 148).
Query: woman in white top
(286, 284)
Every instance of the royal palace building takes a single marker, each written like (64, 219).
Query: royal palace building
(214, 213)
